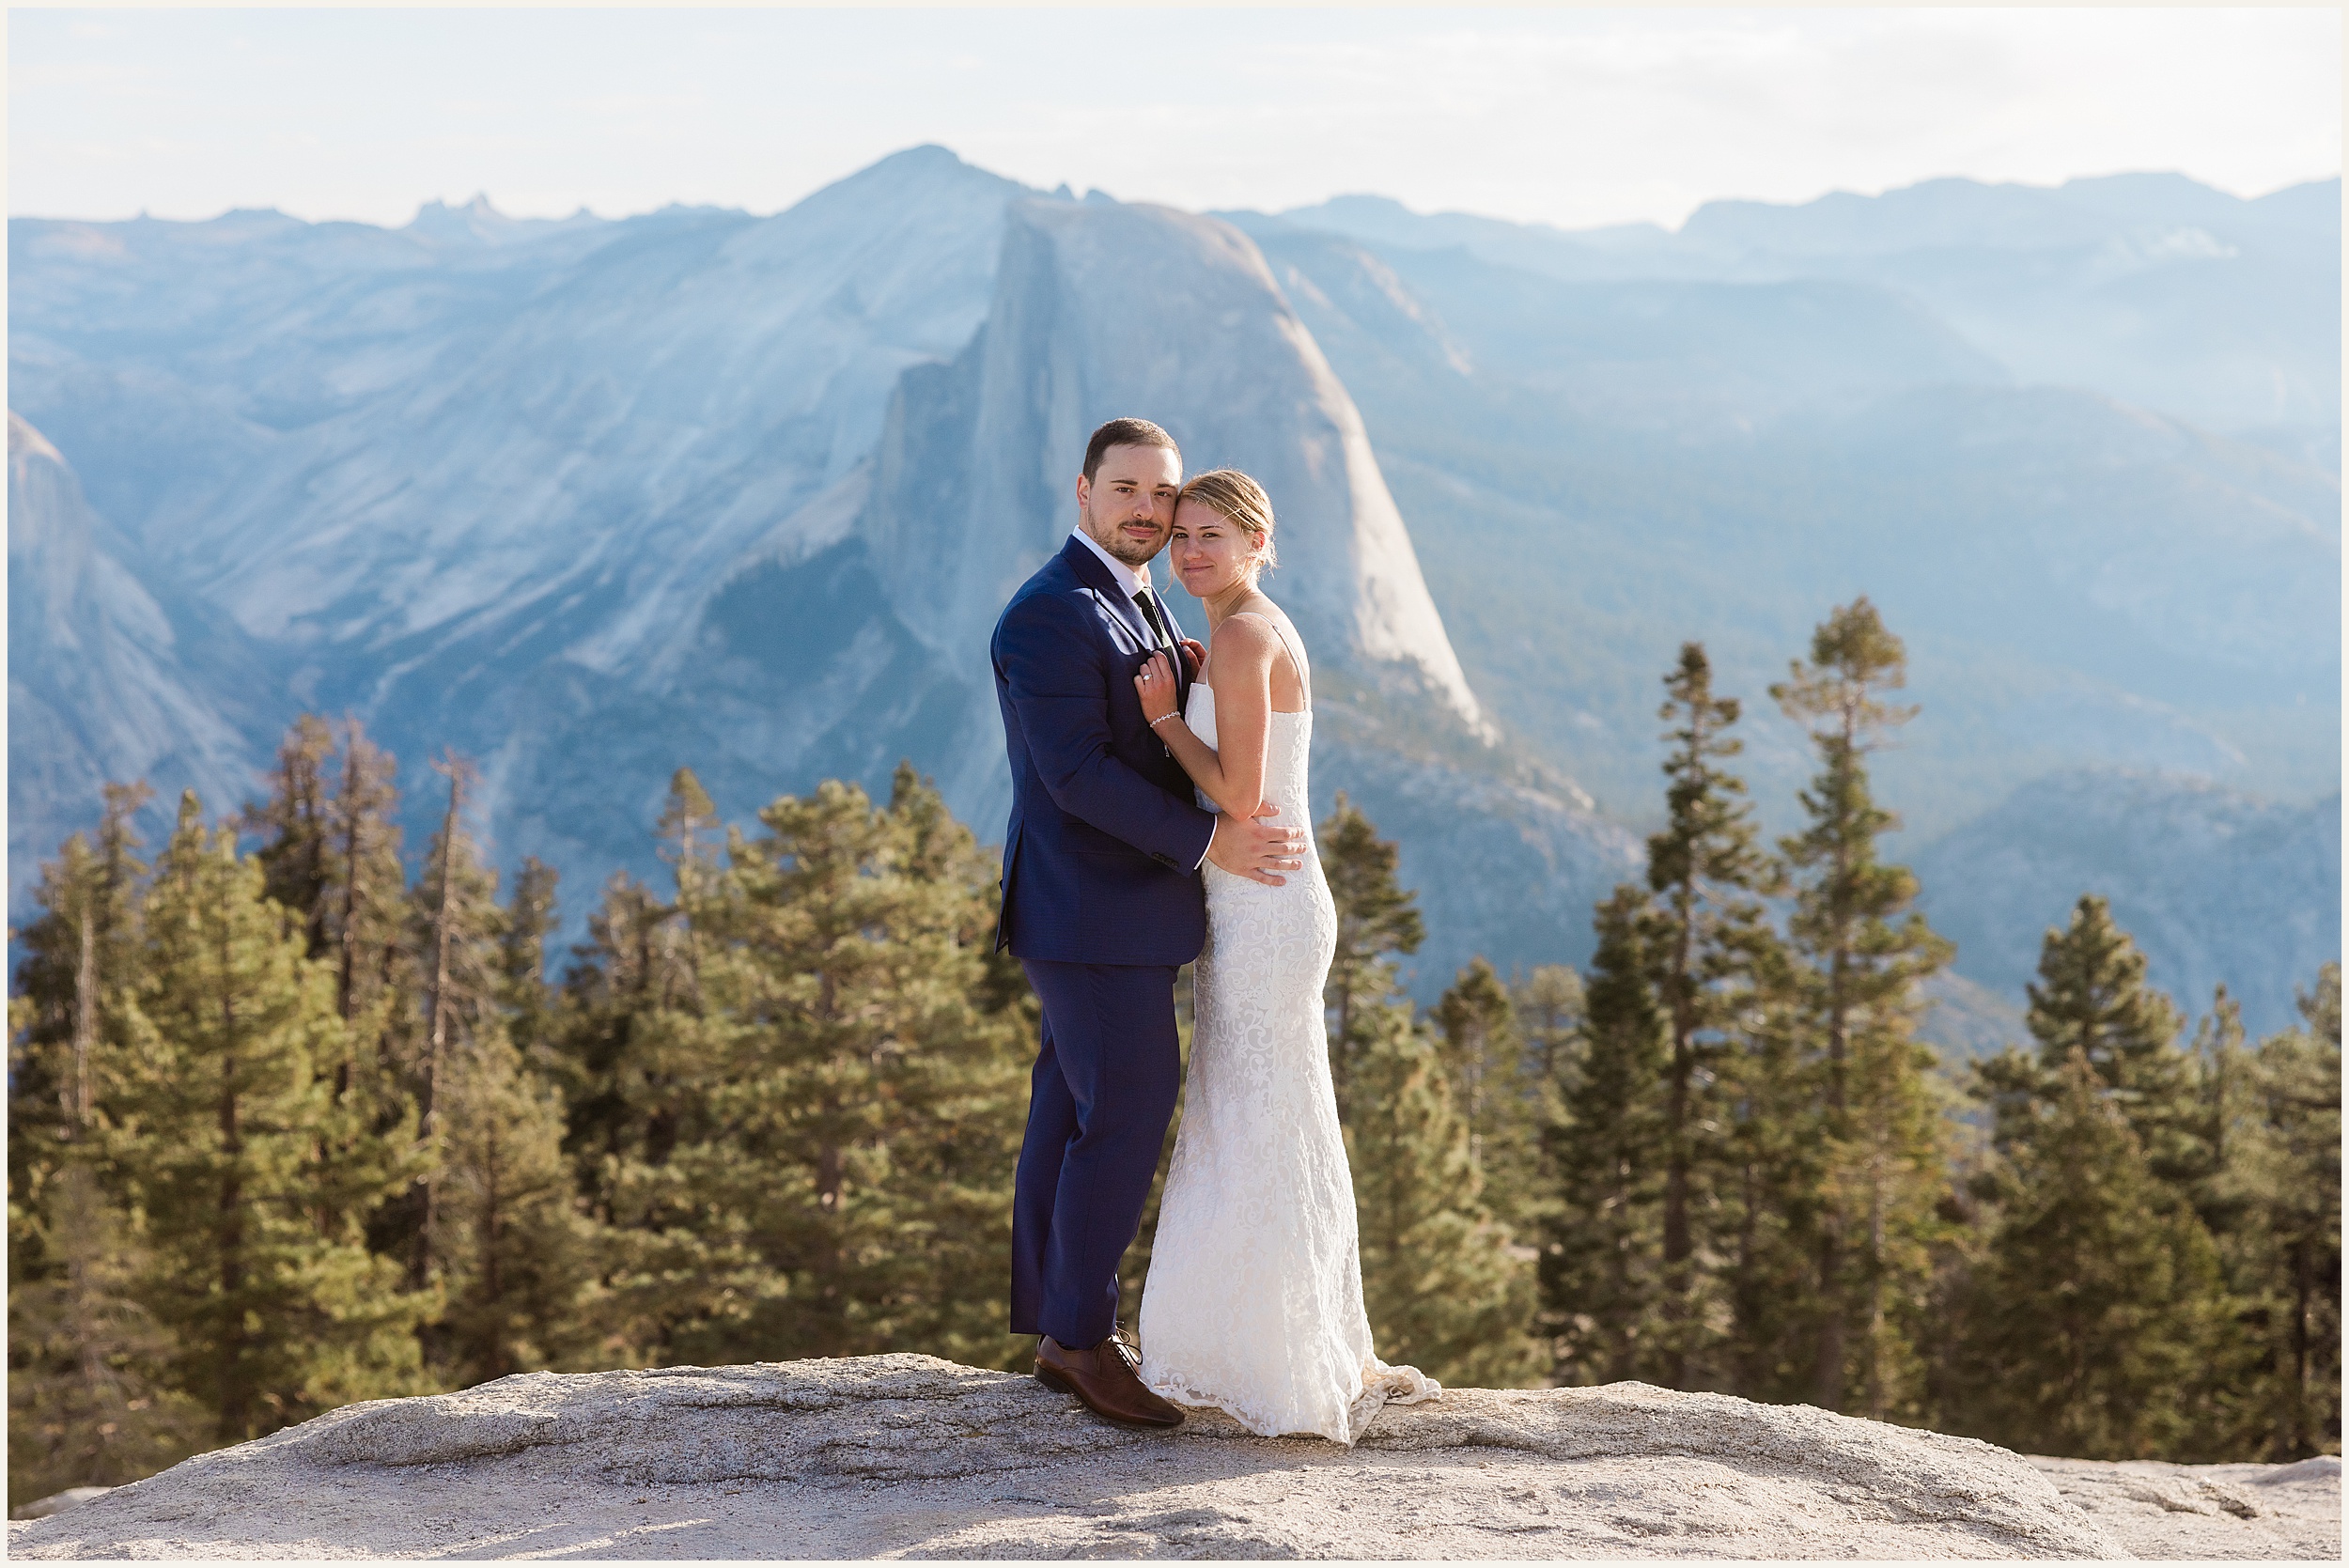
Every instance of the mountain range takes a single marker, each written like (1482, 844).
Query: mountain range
(589, 500)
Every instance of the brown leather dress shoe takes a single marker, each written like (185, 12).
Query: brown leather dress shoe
(1104, 1377)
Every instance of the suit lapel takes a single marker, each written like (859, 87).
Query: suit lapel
(1094, 575)
(1097, 577)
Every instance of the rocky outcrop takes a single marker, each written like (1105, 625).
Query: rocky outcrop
(2272, 1512)
(906, 1456)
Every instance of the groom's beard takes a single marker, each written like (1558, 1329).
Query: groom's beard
(1124, 549)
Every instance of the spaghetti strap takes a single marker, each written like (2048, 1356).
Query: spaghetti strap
(1296, 655)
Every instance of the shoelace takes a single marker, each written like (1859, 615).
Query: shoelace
(1127, 1348)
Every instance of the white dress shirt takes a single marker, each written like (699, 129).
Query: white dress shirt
(1133, 578)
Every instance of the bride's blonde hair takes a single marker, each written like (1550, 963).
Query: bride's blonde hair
(1242, 503)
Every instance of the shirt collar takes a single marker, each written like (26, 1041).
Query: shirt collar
(1132, 579)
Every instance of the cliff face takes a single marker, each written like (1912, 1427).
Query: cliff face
(104, 682)
(533, 422)
(906, 1456)
(1103, 309)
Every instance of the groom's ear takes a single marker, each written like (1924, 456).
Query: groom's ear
(1084, 491)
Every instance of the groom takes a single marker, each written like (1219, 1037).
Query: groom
(1102, 902)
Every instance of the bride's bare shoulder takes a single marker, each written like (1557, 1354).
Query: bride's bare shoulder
(1246, 639)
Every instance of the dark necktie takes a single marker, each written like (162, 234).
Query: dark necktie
(1149, 603)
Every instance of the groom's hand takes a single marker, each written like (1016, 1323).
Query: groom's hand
(1194, 656)
(1256, 850)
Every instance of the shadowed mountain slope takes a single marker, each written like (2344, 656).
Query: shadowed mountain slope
(2217, 887)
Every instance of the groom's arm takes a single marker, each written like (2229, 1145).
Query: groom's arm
(1059, 687)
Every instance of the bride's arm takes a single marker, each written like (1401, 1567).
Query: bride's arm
(1232, 774)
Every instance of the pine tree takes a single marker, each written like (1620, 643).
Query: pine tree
(631, 988)
(2299, 1076)
(981, 1095)
(366, 888)
(456, 929)
(857, 1117)
(2099, 1300)
(2220, 1066)
(1376, 917)
(85, 1402)
(2092, 997)
(1484, 1056)
(527, 999)
(2274, 1200)
(330, 859)
(1602, 1251)
(80, 957)
(689, 830)
(1774, 1180)
(632, 1050)
(631, 1057)
(330, 852)
(233, 1022)
(1858, 953)
(519, 1256)
(297, 851)
(1705, 869)
(1446, 1289)
(1548, 1005)
(2224, 1193)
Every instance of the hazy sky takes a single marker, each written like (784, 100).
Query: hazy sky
(1573, 116)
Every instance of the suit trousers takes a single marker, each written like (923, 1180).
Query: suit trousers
(1099, 1101)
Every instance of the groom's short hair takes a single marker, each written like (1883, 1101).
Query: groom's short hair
(1124, 432)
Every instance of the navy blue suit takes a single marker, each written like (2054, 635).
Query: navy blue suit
(1102, 902)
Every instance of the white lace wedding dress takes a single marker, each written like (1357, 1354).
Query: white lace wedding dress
(1254, 1304)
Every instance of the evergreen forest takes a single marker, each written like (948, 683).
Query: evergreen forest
(299, 1115)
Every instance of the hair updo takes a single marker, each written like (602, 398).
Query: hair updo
(1242, 503)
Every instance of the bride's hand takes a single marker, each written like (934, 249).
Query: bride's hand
(1155, 684)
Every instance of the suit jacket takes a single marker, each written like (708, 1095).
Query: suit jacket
(1100, 861)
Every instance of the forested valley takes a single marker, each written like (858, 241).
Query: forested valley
(290, 1127)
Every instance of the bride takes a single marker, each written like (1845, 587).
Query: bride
(1253, 1302)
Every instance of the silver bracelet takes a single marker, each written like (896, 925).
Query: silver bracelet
(1163, 719)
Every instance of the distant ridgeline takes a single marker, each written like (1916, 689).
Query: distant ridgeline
(587, 500)
(292, 1126)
